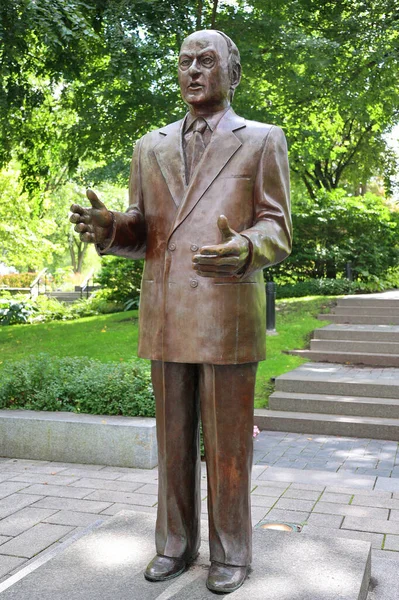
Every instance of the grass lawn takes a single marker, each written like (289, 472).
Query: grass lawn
(114, 338)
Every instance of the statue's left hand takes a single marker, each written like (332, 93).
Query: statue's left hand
(226, 259)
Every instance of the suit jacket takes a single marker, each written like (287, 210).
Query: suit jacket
(244, 175)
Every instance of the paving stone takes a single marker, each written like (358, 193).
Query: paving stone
(60, 491)
(276, 485)
(23, 519)
(15, 502)
(317, 477)
(375, 539)
(372, 525)
(332, 508)
(338, 498)
(302, 567)
(290, 516)
(7, 563)
(34, 540)
(301, 494)
(307, 486)
(375, 502)
(392, 542)
(105, 484)
(6, 476)
(321, 520)
(118, 507)
(123, 497)
(152, 489)
(44, 479)
(358, 492)
(263, 501)
(387, 484)
(3, 539)
(10, 487)
(258, 514)
(295, 504)
(73, 518)
(89, 506)
(394, 515)
(85, 473)
(273, 492)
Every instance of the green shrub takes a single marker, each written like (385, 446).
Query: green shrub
(17, 280)
(78, 385)
(14, 312)
(121, 278)
(334, 229)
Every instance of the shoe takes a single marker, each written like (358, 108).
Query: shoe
(224, 579)
(162, 568)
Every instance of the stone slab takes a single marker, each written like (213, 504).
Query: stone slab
(108, 563)
(62, 436)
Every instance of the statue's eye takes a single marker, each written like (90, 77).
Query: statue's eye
(186, 62)
(207, 61)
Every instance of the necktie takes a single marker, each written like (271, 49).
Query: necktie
(195, 147)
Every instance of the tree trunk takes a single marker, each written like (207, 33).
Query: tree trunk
(214, 13)
(198, 24)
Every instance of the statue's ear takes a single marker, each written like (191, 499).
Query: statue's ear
(235, 77)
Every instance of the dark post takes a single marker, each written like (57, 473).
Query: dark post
(349, 273)
(271, 307)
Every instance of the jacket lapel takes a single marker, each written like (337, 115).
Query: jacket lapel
(169, 154)
(223, 145)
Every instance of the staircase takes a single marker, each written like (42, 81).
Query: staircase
(344, 399)
(67, 297)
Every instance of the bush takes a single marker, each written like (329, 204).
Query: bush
(121, 278)
(78, 385)
(15, 312)
(335, 229)
(17, 280)
(338, 287)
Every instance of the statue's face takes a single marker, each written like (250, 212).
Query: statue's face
(203, 70)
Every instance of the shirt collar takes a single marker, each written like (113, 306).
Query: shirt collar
(212, 120)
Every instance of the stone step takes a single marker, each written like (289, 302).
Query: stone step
(366, 310)
(360, 319)
(335, 405)
(369, 333)
(315, 423)
(336, 379)
(322, 345)
(368, 301)
(354, 358)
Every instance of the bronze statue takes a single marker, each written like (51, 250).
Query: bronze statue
(209, 209)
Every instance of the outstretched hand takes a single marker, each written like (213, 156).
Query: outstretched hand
(226, 259)
(93, 224)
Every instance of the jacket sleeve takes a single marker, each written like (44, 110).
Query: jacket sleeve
(270, 238)
(128, 237)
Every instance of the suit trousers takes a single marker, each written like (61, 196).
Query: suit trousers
(222, 396)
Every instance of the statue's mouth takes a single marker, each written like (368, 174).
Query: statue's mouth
(194, 86)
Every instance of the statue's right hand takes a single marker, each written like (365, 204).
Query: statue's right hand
(93, 224)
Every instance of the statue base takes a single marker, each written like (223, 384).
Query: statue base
(108, 564)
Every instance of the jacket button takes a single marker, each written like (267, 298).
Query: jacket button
(194, 248)
(194, 283)
(172, 246)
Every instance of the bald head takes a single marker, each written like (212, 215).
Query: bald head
(209, 68)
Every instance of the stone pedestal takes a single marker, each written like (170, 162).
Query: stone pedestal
(109, 561)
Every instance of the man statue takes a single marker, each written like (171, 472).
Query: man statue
(209, 209)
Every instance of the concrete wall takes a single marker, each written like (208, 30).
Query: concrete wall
(78, 438)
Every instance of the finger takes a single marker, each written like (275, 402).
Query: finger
(94, 199)
(219, 250)
(77, 218)
(225, 230)
(216, 261)
(82, 228)
(76, 208)
(88, 237)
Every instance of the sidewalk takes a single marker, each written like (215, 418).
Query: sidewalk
(335, 486)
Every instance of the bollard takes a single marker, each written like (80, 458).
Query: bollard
(349, 273)
(271, 308)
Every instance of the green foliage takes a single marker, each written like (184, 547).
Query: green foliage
(334, 229)
(121, 278)
(17, 280)
(78, 385)
(13, 312)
